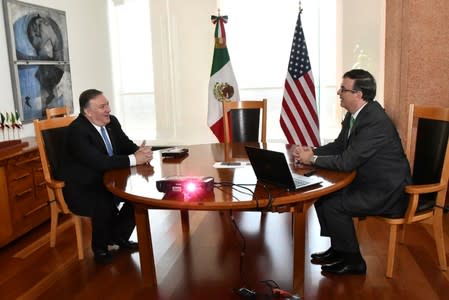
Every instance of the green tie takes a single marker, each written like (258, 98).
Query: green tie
(351, 123)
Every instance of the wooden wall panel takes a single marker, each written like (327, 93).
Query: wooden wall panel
(416, 56)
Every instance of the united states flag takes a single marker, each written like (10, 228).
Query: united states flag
(299, 117)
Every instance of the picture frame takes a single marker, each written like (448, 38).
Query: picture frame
(39, 58)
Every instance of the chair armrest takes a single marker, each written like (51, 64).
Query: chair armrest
(424, 188)
(415, 190)
(55, 184)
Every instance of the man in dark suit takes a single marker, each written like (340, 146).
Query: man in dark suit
(369, 144)
(88, 156)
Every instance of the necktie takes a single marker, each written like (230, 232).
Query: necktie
(106, 141)
(351, 122)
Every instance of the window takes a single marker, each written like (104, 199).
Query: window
(133, 67)
(259, 38)
(259, 45)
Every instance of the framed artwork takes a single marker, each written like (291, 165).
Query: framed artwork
(39, 58)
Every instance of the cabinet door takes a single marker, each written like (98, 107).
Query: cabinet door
(41, 194)
(25, 185)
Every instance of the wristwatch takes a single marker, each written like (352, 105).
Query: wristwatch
(314, 159)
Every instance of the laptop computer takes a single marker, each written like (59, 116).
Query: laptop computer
(272, 167)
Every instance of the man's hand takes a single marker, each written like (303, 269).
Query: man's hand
(144, 154)
(303, 155)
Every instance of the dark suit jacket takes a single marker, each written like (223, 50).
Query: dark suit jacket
(375, 151)
(87, 160)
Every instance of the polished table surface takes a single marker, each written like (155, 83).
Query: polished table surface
(138, 185)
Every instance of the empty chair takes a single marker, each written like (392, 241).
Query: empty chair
(428, 149)
(245, 121)
(50, 141)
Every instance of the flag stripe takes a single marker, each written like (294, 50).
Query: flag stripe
(299, 113)
(295, 118)
(220, 59)
(215, 109)
(299, 117)
(306, 108)
(217, 129)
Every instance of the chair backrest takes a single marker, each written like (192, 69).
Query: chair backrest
(243, 120)
(62, 111)
(428, 130)
(50, 139)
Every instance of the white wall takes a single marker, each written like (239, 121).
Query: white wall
(90, 61)
(183, 43)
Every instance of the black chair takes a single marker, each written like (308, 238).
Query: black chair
(245, 121)
(428, 149)
(50, 135)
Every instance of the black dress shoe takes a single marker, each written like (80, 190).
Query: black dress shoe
(342, 268)
(329, 256)
(127, 245)
(322, 254)
(102, 256)
(332, 258)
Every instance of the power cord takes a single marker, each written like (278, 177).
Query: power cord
(243, 291)
(275, 291)
(243, 188)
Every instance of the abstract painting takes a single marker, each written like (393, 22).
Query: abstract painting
(39, 58)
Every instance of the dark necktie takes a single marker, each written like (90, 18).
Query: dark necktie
(106, 141)
(351, 123)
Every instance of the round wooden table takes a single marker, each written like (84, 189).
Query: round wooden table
(138, 185)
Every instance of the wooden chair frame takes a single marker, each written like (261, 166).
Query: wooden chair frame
(245, 104)
(54, 187)
(414, 191)
(62, 111)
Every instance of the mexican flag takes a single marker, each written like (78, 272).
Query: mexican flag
(222, 83)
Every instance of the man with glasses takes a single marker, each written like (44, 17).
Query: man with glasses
(369, 144)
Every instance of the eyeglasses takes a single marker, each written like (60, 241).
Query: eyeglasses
(342, 89)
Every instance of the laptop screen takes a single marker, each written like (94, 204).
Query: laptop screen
(272, 167)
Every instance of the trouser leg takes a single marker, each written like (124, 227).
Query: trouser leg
(124, 222)
(319, 208)
(339, 224)
(102, 222)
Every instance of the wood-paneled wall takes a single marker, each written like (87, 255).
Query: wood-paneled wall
(416, 56)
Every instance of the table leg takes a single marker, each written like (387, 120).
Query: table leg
(299, 237)
(145, 246)
(185, 220)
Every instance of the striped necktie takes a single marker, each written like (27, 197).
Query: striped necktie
(106, 141)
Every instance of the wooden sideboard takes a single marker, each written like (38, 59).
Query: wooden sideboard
(23, 193)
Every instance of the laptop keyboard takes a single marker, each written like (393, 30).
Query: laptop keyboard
(299, 181)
